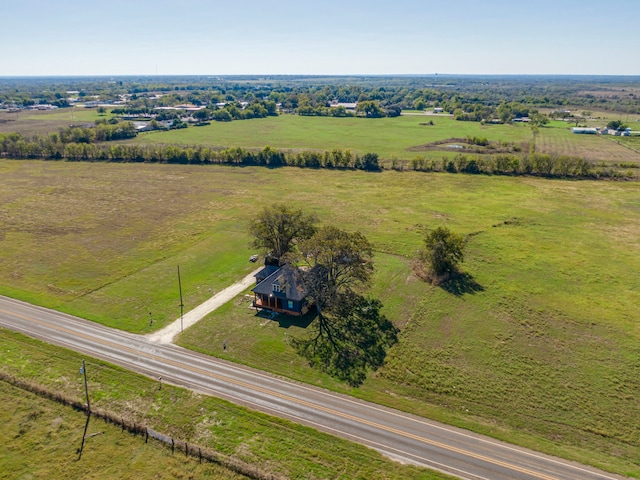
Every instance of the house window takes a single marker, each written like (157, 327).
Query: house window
(290, 304)
(276, 287)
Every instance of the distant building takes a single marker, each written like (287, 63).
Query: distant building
(585, 130)
(347, 105)
(185, 107)
(42, 106)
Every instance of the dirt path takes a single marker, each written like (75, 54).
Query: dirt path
(168, 333)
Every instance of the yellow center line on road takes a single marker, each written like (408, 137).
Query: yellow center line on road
(288, 398)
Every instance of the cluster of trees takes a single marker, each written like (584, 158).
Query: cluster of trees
(349, 336)
(233, 111)
(616, 125)
(368, 109)
(504, 112)
(226, 113)
(103, 131)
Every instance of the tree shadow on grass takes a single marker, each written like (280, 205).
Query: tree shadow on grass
(286, 321)
(461, 283)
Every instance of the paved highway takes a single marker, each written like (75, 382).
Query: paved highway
(401, 436)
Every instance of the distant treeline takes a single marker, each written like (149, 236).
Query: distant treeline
(226, 113)
(52, 147)
(472, 96)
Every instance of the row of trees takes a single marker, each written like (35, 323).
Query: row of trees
(51, 147)
(61, 146)
(539, 164)
(349, 335)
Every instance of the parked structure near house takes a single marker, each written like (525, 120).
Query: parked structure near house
(438, 110)
(280, 290)
(585, 130)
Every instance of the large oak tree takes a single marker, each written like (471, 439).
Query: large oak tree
(278, 228)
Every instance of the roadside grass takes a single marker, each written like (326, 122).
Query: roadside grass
(388, 137)
(559, 140)
(40, 438)
(538, 346)
(43, 436)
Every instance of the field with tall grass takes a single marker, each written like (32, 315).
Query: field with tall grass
(538, 344)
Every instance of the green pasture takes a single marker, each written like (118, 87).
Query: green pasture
(44, 435)
(35, 122)
(388, 137)
(41, 437)
(537, 344)
(399, 138)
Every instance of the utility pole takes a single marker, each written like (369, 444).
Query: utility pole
(181, 304)
(83, 370)
(86, 389)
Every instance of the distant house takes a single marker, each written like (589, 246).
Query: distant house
(280, 290)
(585, 130)
(349, 106)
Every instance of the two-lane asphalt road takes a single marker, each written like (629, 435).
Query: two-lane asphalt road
(399, 435)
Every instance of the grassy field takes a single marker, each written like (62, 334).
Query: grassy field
(391, 138)
(40, 437)
(388, 137)
(398, 138)
(559, 140)
(32, 122)
(539, 345)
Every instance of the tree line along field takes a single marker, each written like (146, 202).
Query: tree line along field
(539, 345)
(402, 138)
(399, 137)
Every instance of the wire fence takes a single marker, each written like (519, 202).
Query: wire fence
(140, 429)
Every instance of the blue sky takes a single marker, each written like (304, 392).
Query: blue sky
(117, 37)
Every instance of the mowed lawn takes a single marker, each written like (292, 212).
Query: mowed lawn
(540, 345)
(388, 137)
